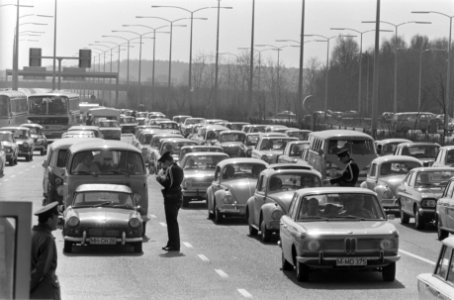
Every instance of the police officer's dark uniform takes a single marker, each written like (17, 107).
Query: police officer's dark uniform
(44, 282)
(173, 199)
(350, 174)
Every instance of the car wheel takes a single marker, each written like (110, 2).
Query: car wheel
(137, 247)
(31, 156)
(252, 231)
(217, 216)
(441, 234)
(265, 234)
(11, 162)
(286, 266)
(389, 272)
(42, 152)
(404, 218)
(419, 221)
(302, 272)
(68, 247)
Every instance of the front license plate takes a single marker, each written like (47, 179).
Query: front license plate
(103, 241)
(351, 261)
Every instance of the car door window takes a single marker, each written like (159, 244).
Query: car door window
(444, 262)
(293, 206)
(259, 187)
(372, 171)
(449, 190)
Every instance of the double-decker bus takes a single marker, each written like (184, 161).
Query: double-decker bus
(55, 111)
(13, 108)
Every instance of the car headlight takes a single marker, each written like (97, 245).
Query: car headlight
(429, 203)
(313, 245)
(73, 222)
(134, 223)
(276, 214)
(386, 244)
(228, 198)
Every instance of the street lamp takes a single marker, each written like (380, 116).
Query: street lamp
(127, 60)
(360, 58)
(396, 26)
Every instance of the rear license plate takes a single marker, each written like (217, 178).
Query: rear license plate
(103, 241)
(351, 261)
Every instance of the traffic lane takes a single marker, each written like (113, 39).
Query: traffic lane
(257, 265)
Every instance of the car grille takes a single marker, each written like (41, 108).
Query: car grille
(197, 184)
(99, 232)
(350, 245)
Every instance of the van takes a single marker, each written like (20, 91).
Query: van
(324, 145)
(113, 162)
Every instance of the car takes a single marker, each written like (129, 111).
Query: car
(445, 212)
(337, 228)
(424, 151)
(80, 134)
(445, 157)
(198, 148)
(269, 147)
(128, 124)
(439, 284)
(233, 184)
(174, 145)
(272, 196)
(388, 146)
(186, 127)
(232, 142)
(301, 134)
(251, 141)
(10, 147)
(293, 152)
(154, 147)
(2, 160)
(110, 129)
(198, 170)
(179, 119)
(419, 192)
(255, 128)
(23, 139)
(131, 139)
(236, 125)
(102, 214)
(39, 139)
(95, 129)
(385, 174)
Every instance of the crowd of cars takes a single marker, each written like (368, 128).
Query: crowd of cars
(266, 174)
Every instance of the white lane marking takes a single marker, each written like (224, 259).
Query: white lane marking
(187, 245)
(417, 257)
(203, 258)
(222, 273)
(12, 176)
(163, 224)
(34, 166)
(153, 216)
(244, 293)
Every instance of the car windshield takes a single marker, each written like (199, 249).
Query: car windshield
(301, 135)
(242, 170)
(251, 140)
(297, 149)
(107, 162)
(274, 144)
(20, 134)
(428, 151)
(103, 198)
(175, 147)
(355, 146)
(289, 182)
(231, 137)
(433, 178)
(340, 207)
(202, 162)
(389, 148)
(397, 167)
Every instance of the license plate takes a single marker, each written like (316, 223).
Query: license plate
(351, 261)
(103, 241)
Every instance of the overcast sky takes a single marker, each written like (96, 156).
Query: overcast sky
(81, 22)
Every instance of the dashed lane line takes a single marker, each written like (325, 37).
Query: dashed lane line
(417, 257)
(187, 245)
(163, 224)
(221, 273)
(244, 293)
(203, 258)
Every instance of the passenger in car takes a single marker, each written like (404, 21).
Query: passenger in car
(87, 165)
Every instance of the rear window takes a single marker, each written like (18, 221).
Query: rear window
(356, 146)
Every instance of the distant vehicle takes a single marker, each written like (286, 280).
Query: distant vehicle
(337, 228)
(426, 152)
(109, 113)
(232, 141)
(270, 146)
(179, 119)
(439, 283)
(405, 121)
(445, 212)
(198, 148)
(10, 146)
(13, 108)
(110, 129)
(301, 134)
(95, 129)
(81, 134)
(188, 124)
(39, 139)
(388, 146)
(23, 139)
(236, 125)
(131, 139)
(293, 152)
(55, 111)
(445, 157)
(2, 159)
(103, 214)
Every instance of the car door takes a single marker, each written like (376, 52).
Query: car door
(443, 204)
(285, 229)
(259, 197)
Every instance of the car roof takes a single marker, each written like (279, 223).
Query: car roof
(83, 127)
(206, 153)
(34, 125)
(339, 133)
(232, 131)
(388, 158)
(448, 147)
(418, 144)
(334, 189)
(68, 142)
(235, 160)
(393, 140)
(14, 128)
(271, 170)
(426, 169)
(104, 187)
(100, 144)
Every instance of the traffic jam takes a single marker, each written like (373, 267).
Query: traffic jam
(287, 184)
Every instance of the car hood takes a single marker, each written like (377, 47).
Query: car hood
(427, 192)
(348, 228)
(104, 215)
(283, 199)
(241, 188)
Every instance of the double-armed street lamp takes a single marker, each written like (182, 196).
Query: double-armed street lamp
(128, 42)
(396, 46)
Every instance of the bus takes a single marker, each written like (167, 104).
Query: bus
(55, 111)
(13, 108)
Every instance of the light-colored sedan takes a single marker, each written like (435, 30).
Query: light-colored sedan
(440, 283)
(10, 147)
(234, 182)
(385, 174)
(445, 211)
(272, 197)
(338, 228)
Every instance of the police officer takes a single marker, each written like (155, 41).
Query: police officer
(350, 174)
(173, 198)
(44, 282)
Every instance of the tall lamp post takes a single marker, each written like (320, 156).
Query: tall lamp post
(396, 26)
(360, 59)
(128, 41)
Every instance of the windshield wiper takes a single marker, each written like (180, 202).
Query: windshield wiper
(103, 203)
(121, 171)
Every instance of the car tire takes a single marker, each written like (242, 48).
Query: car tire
(217, 216)
(441, 234)
(286, 266)
(389, 272)
(420, 221)
(137, 247)
(265, 234)
(302, 272)
(27, 157)
(42, 152)
(252, 231)
(404, 218)
(67, 247)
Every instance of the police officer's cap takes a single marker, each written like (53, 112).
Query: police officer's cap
(343, 152)
(166, 157)
(49, 209)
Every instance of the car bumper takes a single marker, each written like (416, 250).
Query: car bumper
(320, 262)
(390, 204)
(199, 193)
(427, 213)
(86, 240)
(232, 209)
(25, 152)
